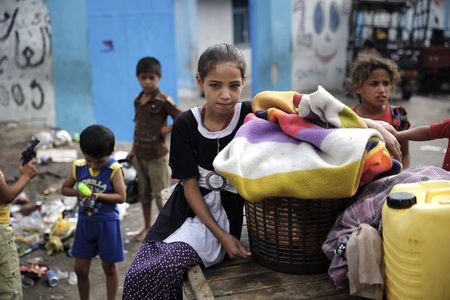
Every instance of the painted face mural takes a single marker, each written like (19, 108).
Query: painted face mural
(320, 34)
(326, 25)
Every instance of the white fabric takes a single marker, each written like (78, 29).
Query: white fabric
(193, 231)
(197, 235)
(365, 263)
(197, 112)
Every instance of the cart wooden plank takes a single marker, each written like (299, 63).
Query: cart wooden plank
(200, 287)
(247, 279)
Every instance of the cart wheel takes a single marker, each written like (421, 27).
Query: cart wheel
(406, 94)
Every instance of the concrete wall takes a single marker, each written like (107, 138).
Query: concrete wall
(186, 43)
(71, 68)
(270, 27)
(45, 68)
(120, 33)
(215, 23)
(319, 42)
(26, 87)
(299, 44)
(200, 24)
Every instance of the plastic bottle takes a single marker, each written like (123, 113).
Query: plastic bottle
(73, 278)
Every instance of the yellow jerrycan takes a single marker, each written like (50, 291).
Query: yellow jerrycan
(416, 234)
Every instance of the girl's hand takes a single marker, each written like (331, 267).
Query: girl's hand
(392, 144)
(234, 247)
(388, 133)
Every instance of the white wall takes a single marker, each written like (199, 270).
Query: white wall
(319, 57)
(215, 25)
(247, 52)
(26, 87)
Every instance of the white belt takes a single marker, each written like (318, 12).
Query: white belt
(214, 181)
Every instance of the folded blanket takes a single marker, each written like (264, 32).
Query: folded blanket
(316, 153)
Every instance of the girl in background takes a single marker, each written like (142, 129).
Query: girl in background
(372, 79)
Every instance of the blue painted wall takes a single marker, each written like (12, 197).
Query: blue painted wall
(120, 33)
(71, 70)
(270, 27)
(186, 41)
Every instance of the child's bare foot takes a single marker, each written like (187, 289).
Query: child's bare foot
(141, 235)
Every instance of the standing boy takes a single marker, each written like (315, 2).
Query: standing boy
(10, 279)
(97, 233)
(149, 150)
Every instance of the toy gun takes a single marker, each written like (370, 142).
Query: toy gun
(29, 153)
(88, 205)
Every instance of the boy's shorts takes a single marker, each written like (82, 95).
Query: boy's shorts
(101, 237)
(152, 177)
(10, 279)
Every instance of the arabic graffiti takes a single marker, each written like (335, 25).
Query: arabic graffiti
(26, 87)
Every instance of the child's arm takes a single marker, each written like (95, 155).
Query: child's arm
(173, 111)
(165, 130)
(119, 194)
(406, 158)
(9, 193)
(68, 189)
(421, 133)
(132, 152)
(195, 199)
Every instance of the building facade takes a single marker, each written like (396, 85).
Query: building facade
(71, 63)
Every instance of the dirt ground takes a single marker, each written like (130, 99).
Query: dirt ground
(14, 137)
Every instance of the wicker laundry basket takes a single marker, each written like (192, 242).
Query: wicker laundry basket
(286, 234)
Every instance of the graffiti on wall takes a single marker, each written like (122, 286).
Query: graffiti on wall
(26, 86)
(319, 35)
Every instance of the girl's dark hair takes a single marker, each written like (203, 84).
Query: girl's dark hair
(365, 64)
(148, 65)
(97, 141)
(220, 53)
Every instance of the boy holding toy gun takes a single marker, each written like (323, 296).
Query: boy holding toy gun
(10, 279)
(98, 225)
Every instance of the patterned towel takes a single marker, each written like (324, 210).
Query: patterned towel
(302, 146)
(366, 208)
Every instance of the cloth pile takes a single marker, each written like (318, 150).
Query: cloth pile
(365, 212)
(306, 146)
